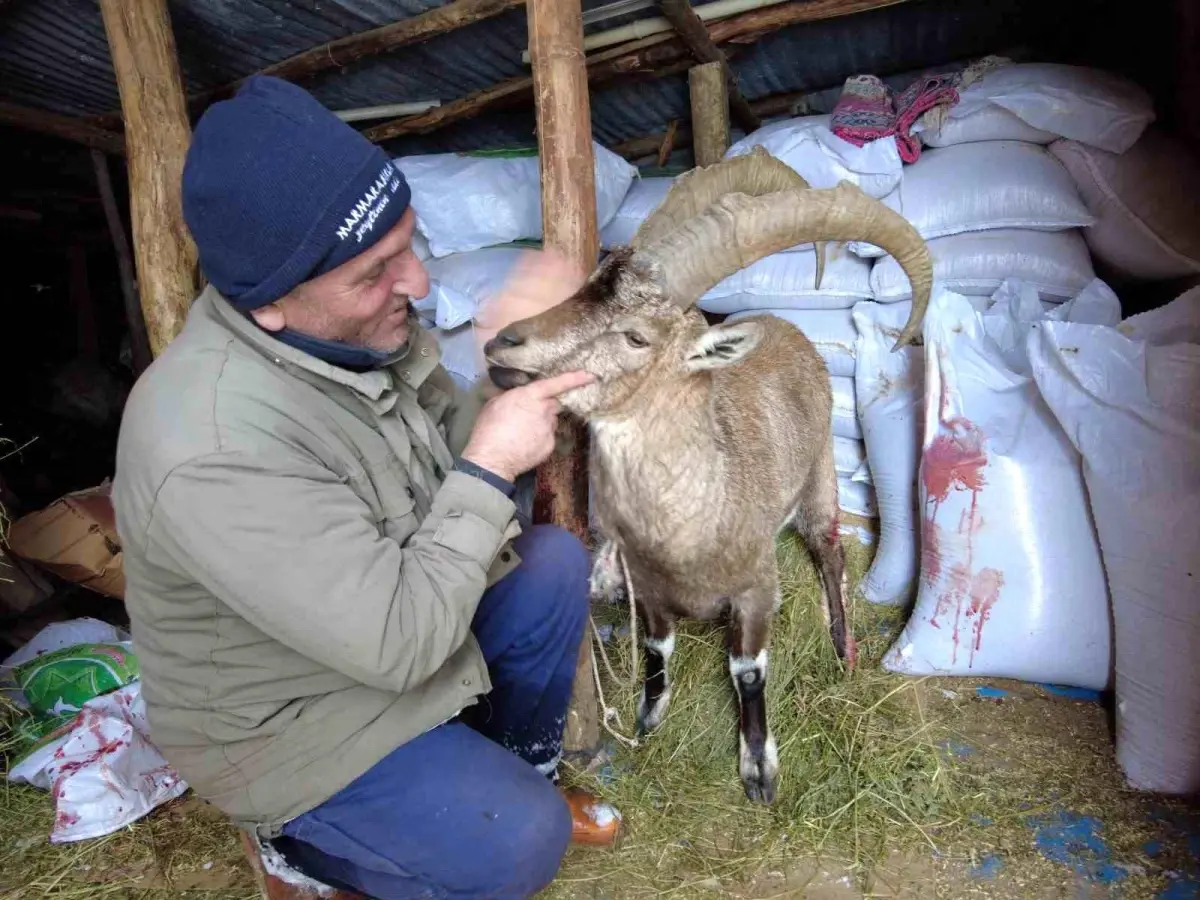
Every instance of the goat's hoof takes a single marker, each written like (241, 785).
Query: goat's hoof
(759, 771)
(649, 719)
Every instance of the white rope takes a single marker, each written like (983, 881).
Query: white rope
(610, 712)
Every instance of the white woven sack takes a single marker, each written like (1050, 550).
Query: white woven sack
(467, 201)
(975, 263)
(1132, 408)
(462, 356)
(849, 456)
(1092, 106)
(645, 196)
(1012, 584)
(890, 388)
(809, 147)
(856, 498)
(987, 123)
(830, 330)
(845, 410)
(461, 283)
(785, 281)
(977, 187)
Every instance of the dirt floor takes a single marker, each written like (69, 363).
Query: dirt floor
(1039, 810)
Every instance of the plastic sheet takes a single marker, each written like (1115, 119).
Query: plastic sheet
(104, 773)
(1132, 408)
(1012, 584)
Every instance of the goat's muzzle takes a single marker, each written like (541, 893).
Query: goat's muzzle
(503, 376)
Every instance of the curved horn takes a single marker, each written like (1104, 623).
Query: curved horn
(738, 230)
(754, 174)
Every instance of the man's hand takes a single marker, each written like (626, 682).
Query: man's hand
(540, 280)
(515, 431)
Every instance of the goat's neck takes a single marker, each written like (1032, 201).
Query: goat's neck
(657, 465)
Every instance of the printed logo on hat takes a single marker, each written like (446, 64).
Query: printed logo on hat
(368, 208)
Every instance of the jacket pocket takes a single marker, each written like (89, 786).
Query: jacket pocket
(395, 505)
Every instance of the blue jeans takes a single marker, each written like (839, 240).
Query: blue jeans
(463, 810)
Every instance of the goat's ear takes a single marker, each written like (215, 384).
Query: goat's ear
(724, 345)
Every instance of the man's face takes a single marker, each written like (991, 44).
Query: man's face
(363, 302)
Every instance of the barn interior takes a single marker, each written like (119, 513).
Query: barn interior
(901, 787)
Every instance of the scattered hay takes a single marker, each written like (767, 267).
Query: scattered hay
(860, 770)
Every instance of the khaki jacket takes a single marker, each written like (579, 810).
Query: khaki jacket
(302, 564)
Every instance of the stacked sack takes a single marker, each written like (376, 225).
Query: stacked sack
(989, 197)
(784, 284)
(476, 213)
(993, 204)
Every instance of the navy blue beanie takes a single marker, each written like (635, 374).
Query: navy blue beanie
(277, 190)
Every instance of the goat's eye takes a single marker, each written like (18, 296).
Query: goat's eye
(635, 339)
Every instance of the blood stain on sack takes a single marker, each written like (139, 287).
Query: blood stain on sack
(985, 591)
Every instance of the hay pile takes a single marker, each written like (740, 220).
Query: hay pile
(860, 769)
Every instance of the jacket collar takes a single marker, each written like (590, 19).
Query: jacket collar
(411, 366)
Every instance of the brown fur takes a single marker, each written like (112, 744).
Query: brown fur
(707, 442)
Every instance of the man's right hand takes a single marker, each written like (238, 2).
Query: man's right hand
(515, 431)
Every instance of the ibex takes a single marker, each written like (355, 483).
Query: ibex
(708, 441)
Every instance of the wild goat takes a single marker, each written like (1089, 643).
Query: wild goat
(708, 441)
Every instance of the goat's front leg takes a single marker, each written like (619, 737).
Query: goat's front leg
(750, 616)
(659, 644)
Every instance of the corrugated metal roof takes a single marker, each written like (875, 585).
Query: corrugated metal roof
(54, 55)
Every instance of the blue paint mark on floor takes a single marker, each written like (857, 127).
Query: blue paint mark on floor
(1072, 693)
(960, 750)
(1075, 841)
(979, 819)
(991, 693)
(1181, 888)
(1152, 848)
(989, 866)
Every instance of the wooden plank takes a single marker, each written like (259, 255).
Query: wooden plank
(66, 127)
(692, 31)
(568, 181)
(657, 54)
(139, 343)
(157, 135)
(710, 112)
(668, 143)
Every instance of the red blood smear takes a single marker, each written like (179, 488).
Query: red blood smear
(954, 461)
(960, 583)
(985, 591)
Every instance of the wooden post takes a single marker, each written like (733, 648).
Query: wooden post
(564, 131)
(157, 134)
(710, 112)
(139, 344)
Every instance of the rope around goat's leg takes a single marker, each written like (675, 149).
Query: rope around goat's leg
(610, 712)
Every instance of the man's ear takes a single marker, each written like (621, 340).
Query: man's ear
(269, 317)
(724, 345)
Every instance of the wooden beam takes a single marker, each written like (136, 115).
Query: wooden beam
(657, 54)
(67, 127)
(693, 32)
(710, 113)
(139, 343)
(567, 162)
(157, 135)
(668, 143)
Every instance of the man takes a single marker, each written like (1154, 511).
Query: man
(345, 644)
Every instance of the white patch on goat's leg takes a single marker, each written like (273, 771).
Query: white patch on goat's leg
(656, 691)
(758, 758)
(606, 581)
(740, 665)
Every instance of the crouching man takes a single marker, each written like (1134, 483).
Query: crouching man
(349, 644)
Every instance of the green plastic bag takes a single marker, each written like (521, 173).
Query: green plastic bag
(57, 684)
